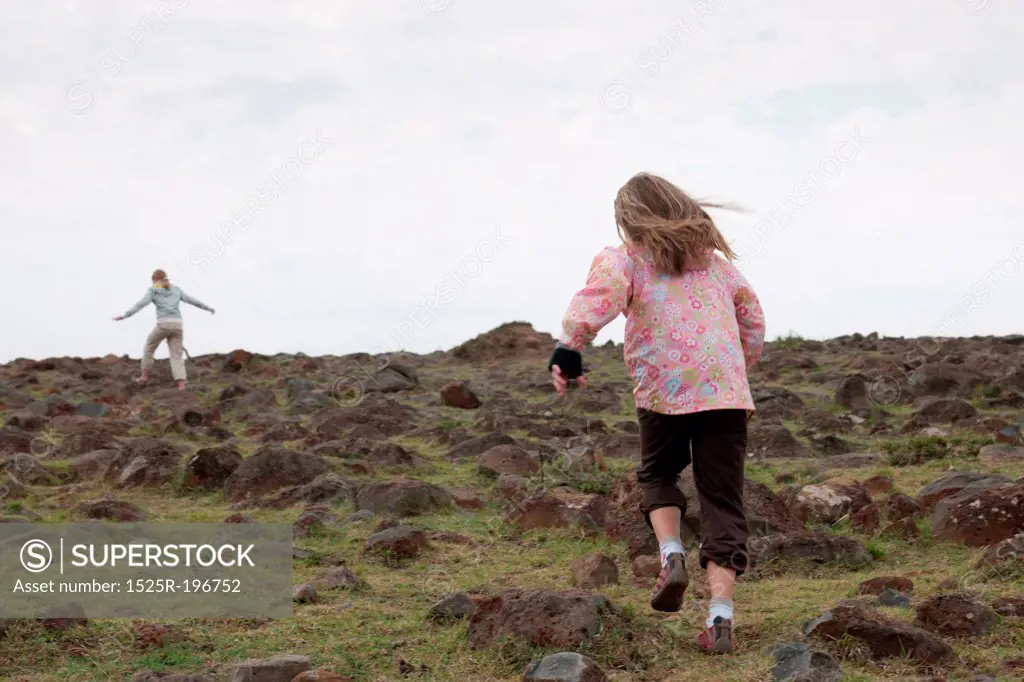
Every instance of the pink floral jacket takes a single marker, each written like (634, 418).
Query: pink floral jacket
(690, 340)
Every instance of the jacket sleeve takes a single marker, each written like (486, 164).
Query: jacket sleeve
(605, 296)
(750, 318)
(142, 303)
(193, 301)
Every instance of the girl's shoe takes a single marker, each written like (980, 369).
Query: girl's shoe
(671, 586)
(718, 638)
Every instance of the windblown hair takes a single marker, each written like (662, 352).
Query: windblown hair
(654, 214)
(160, 279)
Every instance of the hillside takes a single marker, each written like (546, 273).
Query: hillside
(454, 520)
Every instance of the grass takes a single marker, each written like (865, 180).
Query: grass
(364, 633)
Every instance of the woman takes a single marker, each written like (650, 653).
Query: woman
(168, 324)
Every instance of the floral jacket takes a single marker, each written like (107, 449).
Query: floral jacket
(690, 339)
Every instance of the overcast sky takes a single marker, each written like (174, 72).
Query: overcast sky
(342, 176)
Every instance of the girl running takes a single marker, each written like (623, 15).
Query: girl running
(694, 328)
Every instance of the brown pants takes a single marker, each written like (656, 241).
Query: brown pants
(716, 442)
(173, 332)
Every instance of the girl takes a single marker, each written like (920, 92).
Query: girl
(168, 324)
(694, 328)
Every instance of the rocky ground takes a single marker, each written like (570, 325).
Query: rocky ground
(455, 521)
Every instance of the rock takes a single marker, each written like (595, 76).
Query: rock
(325, 489)
(403, 497)
(647, 566)
(594, 570)
(474, 447)
(945, 411)
(894, 598)
(877, 586)
(511, 486)
(827, 502)
(91, 464)
(540, 617)
(885, 637)
(560, 508)
(26, 421)
(14, 440)
(145, 462)
(392, 377)
(955, 482)
(944, 379)
(338, 577)
(979, 518)
(899, 506)
(797, 662)
(396, 544)
(83, 438)
(771, 441)
(455, 606)
(237, 360)
(10, 489)
(1009, 435)
(26, 469)
(1010, 550)
(110, 510)
(280, 668)
(953, 615)
(464, 499)
(877, 484)
(272, 468)
(458, 394)
(239, 518)
(510, 340)
(1009, 607)
(305, 594)
(565, 666)
(777, 403)
(854, 393)
(867, 519)
(814, 547)
(507, 459)
(994, 455)
(211, 467)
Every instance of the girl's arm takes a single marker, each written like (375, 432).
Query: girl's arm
(193, 301)
(750, 317)
(142, 303)
(605, 296)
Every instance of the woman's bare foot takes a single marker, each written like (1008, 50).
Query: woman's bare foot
(181, 386)
(141, 381)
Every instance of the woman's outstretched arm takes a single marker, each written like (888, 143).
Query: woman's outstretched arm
(194, 301)
(142, 303)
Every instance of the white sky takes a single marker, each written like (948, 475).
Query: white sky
(441, 122)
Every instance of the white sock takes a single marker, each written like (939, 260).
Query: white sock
(673, 546)
(719, 606)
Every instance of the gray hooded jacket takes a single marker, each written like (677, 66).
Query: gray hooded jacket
(166, 302)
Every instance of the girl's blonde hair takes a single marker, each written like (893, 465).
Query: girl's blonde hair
(652, 213)
(160, 279)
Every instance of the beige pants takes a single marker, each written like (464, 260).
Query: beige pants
(171, 331)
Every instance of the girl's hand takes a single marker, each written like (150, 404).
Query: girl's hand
(561, 383)
(118, 318)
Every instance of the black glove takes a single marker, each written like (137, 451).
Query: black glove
(567, 360)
